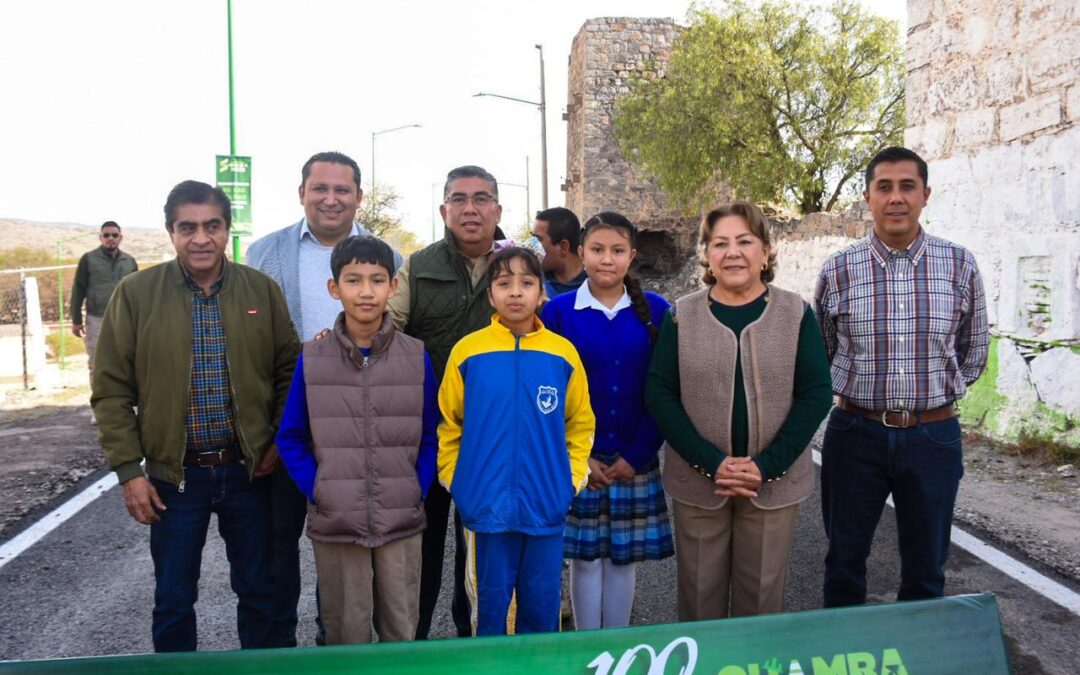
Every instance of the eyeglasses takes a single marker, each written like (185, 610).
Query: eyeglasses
(480, 200)
(110, 235)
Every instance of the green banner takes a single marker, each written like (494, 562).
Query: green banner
(959, 635)
(234, 177)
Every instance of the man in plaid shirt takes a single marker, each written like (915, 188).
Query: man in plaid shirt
(904, 319)
(193, 367)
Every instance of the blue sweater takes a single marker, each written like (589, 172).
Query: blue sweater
(294, 436)
(616, 354)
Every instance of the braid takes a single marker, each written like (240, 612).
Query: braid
(640, 304)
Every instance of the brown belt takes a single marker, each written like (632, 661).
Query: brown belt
(901, 419)
(212, 458)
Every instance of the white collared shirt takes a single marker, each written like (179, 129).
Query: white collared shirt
(584, 299)
(317, 308)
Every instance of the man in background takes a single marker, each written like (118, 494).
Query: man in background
(559, 230)
(96, 277)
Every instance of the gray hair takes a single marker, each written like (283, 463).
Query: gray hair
(470, 171)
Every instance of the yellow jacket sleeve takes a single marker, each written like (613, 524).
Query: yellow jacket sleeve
(580, 425)
(452, 407)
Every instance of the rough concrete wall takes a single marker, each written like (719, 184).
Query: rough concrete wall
(993, 104)
(803, 244)
(993, 101)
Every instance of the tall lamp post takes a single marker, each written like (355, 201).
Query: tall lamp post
(374, 135)
(542, 105)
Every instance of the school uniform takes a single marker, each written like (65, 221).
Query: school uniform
(513, 451)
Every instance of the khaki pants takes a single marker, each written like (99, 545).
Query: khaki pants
(353, 578)
(736, 555)
(93, 329)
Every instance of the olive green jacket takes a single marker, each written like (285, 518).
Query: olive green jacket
(95, 278)
(445, 306)
(142, 369)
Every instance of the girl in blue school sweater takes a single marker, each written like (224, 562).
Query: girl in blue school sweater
(621, 519)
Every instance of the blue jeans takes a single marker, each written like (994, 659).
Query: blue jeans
(176, 544)
(531, 566)
(862, 462)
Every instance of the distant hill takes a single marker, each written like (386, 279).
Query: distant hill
(146, 244)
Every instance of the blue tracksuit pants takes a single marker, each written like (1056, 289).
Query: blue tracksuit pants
(530, 565)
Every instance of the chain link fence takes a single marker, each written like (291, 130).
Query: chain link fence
(34, 316)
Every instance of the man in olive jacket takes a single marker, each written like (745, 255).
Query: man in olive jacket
(96, 277)
(193, 366)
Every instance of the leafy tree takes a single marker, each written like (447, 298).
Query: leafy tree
(380, 216)
(786, 103)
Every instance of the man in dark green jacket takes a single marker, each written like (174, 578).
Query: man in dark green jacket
(194, 363)
(441, 298)
(96, 277)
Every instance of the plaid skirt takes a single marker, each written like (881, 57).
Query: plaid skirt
(626, 521)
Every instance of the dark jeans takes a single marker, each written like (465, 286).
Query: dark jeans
(288, 511)
(433, 550)
(862, 462)
(176, 544)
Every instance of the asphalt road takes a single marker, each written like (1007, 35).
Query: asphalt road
(87, 589)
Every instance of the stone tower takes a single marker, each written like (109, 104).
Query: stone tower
(606, 54)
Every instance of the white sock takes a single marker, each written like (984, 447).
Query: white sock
(618, 593)
(586, 584)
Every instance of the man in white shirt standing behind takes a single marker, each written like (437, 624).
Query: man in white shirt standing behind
(298, 259)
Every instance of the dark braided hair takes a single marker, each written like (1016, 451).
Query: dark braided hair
(616, 221)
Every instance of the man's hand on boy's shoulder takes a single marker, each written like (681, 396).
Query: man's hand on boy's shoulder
(269, 462)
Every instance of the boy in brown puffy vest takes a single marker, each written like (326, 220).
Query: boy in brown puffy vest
(358, 435)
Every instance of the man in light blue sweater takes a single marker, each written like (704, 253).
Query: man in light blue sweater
(298, 259)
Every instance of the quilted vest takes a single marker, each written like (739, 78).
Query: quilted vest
(366, 419)
(707, 352)
(444, 305)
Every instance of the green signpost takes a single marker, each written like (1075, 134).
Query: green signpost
(960, 635)
(234, 178)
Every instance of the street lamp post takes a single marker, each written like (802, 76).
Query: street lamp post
(374, 134)
(542, 105)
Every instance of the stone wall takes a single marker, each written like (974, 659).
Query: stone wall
(606, 54)
(993, 104)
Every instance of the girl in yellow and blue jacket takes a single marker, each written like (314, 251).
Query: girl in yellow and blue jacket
(514, 442)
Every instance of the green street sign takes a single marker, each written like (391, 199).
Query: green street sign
(960, 635)
(234, 177)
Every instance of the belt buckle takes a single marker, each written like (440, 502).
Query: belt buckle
(220, 458)
(902, 425)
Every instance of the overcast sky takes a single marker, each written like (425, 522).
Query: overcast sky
(104, 106)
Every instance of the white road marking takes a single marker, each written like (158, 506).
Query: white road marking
(1008, 565)
(33, 534)
(1036, 581)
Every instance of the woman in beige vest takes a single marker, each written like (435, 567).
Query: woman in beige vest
(738, 384)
